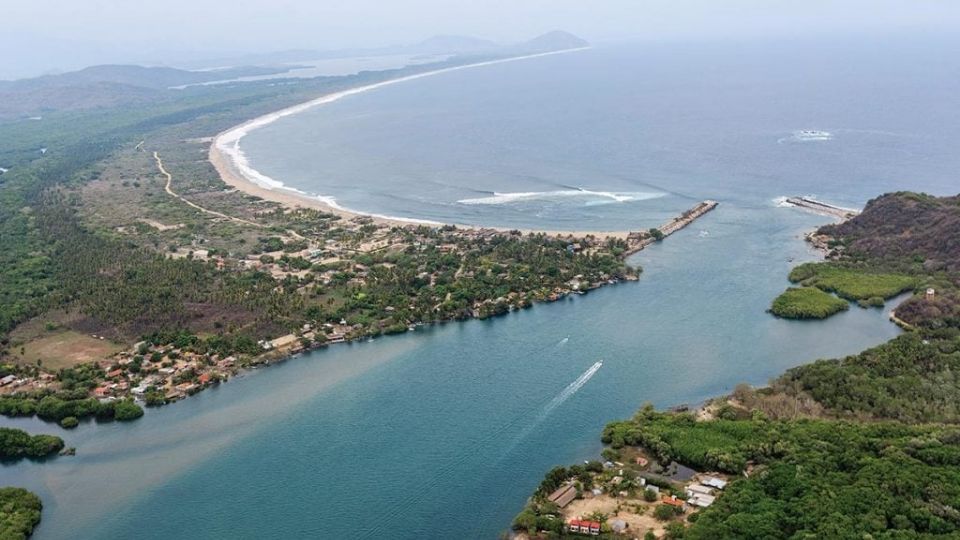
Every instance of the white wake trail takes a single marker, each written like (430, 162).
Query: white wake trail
(558, 400)
(570, 390)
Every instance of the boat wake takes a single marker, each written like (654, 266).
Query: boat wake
(563, 341)
(558, 400)
(592, 198)
(570, 390)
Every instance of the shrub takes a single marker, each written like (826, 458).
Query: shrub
(126, 410)
(69, 422)
(664, 512)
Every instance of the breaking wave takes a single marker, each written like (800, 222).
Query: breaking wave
(591, 197)
(807, 135)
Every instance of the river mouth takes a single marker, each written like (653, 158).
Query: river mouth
(444, 432)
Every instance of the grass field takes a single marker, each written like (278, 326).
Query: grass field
(64, 348)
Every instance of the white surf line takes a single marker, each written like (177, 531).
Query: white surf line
(228, 142)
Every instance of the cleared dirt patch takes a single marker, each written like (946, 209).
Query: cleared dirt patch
(64, 348)
(617, 509)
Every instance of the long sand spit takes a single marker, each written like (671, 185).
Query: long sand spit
(235, 170)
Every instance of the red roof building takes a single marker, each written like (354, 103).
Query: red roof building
(672, 501)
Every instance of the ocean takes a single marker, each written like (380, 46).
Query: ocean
(444, 432)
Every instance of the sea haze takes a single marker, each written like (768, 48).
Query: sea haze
(624, 137)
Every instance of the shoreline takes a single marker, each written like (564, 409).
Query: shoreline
(232, 167)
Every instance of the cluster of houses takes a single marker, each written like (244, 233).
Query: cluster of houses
(11, 384)
(175, 375)
(577, 526)
(703, 494)
(700, 491)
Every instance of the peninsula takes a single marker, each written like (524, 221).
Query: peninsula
(136, 272)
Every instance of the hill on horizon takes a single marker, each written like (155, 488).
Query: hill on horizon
(119, 84)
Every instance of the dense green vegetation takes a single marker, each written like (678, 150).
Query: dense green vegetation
(16, 444)
(19, 513)
(807, 303)
(813, 478)
(57, 406)
(913, 378)
(852, 283)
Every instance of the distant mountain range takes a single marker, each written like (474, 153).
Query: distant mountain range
(111, 85)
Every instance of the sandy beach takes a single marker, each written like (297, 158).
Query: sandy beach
(234, 170)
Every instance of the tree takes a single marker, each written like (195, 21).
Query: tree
(657, 234)
(663, 512)
(126, 410)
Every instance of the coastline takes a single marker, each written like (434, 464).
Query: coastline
(232, 167)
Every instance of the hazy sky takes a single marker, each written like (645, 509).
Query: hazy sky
(45, 35)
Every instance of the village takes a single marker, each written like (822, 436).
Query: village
(347, 260)
(630, 497)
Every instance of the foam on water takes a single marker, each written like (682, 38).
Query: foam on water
(228, 142)
(807, 135)
(593, 197)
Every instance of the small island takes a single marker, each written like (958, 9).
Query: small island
(16, 444)
(807, 303)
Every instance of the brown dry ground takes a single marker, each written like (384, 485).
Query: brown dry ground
(64, 348)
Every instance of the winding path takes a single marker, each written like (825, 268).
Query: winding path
(169, 190)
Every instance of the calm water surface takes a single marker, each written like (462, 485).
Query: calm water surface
(443, 432)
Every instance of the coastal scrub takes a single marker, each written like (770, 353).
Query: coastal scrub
(807, 303)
